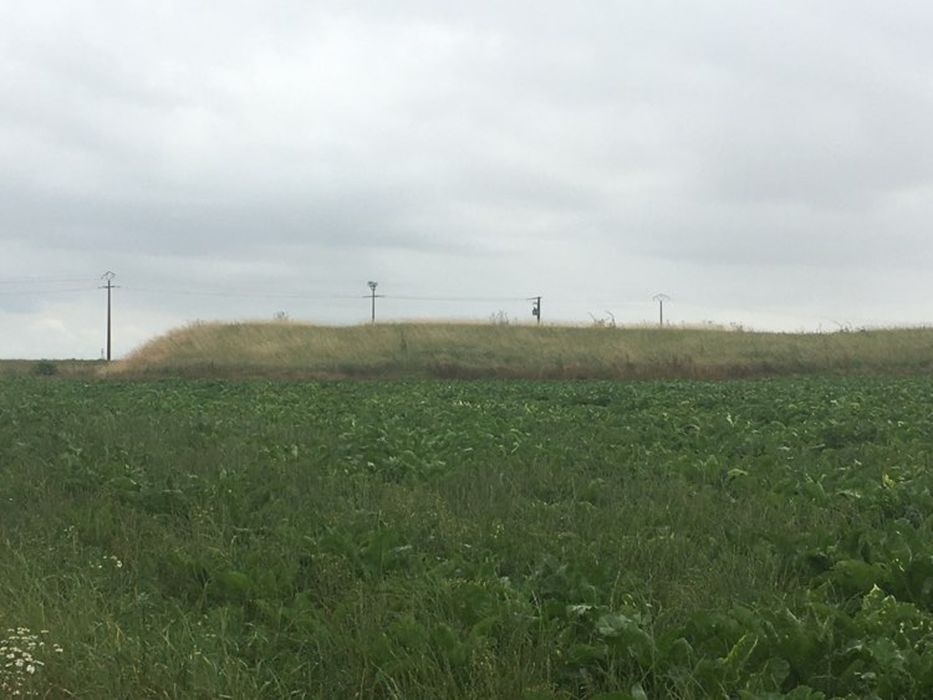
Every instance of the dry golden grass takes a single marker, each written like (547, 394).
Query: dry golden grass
(290, 350)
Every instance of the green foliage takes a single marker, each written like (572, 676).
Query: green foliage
(762, 539)
(45, 368)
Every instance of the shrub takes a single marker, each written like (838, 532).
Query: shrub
(45, 368)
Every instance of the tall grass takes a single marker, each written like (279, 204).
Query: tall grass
(472, 350)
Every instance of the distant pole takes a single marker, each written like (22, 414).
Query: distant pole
(108, 278)
(372, 289)
(661, 298)
(536, 308)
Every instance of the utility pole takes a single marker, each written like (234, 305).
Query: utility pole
(661, 298)
(536, 308)
(109, 286)
(372, 289)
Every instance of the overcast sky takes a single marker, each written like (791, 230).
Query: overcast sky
(763, 163)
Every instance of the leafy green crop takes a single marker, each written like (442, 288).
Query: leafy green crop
(758, 539)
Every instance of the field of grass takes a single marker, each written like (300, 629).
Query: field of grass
(475, 539)
(295, 350)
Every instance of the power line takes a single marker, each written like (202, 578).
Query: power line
(605, 301)
(32, 292)
(41, 280)
(319, 297)
(310, 296)
(472, 300)
(239, 295)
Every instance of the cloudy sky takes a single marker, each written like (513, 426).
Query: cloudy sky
(763, 163)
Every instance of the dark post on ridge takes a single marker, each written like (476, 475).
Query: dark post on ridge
(372, 288)
(661, 298)
(109, 286)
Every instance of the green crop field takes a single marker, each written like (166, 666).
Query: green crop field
(474, 539)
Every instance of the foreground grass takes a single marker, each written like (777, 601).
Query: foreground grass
(292, 350)
(476, 539)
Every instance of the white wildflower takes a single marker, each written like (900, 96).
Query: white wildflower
(19, 652)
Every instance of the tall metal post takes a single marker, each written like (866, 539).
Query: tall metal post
(108, 278)
(536, 308)
(661, 298)
(372, 288)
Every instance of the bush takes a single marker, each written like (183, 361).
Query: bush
(45, 368)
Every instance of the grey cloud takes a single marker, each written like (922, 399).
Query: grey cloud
(527, 145)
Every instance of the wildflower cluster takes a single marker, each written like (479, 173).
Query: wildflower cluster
(106, 560)
(20, 650)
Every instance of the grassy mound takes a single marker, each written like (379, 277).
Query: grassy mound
(295, 350)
